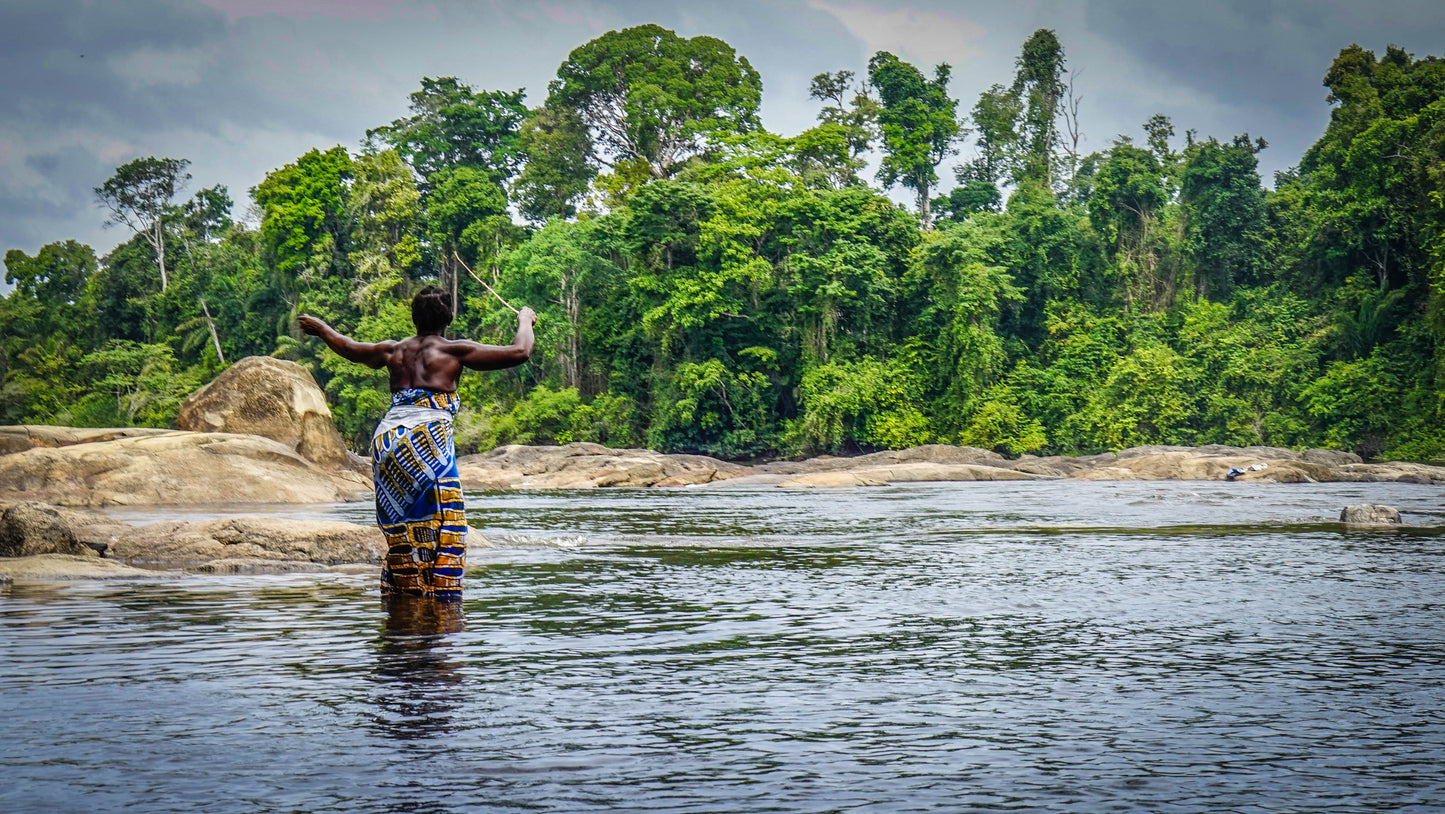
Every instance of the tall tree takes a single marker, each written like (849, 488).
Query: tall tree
(919, 123)
(1039, 86)
(1129, 192)
(996, 140)
(207, 215)
(387, 209)
(647, 94)
(453, 124)
(463, 198)
(557, 173)
(55, 276)
(1224, 209)
(306, 215)
(856, 118)
(995, 120)
(139, 196)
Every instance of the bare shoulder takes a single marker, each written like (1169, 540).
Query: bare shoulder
(460, 347)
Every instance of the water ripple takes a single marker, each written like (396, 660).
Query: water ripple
(879, 650)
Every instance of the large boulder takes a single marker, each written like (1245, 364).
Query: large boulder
(31, 528)
(272, 398)
(174, 467)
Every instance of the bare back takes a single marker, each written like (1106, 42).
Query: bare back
(429, 361)
(426, 362)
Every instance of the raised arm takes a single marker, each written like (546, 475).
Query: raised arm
(371, 354)
(495, 357)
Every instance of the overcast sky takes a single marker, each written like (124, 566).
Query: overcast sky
(241, 87)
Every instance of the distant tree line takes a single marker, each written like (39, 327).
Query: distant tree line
(706, 285)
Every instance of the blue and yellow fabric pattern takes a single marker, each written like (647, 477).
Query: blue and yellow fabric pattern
(419, 499)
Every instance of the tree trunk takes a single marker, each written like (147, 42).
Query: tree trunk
(159, 244)
(924, 208)
(456, 274)
(215, 338)
(572, 301)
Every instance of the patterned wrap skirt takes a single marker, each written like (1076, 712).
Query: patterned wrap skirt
(419, 496)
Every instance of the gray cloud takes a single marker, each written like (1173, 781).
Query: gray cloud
(240, 87)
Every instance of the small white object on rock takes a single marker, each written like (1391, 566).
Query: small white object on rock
(1368, 514)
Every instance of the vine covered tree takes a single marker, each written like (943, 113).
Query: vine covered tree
(1039, 88)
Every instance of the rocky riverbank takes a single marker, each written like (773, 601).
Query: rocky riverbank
(88, 543)
(41, 541)
(581, 465)
(262, 433)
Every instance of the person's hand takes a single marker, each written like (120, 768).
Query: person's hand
(310, 324)
(527, 315)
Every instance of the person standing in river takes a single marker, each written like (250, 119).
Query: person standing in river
(414, 463)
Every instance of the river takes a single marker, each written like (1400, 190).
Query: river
(1035, 646)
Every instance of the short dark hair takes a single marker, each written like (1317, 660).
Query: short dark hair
(431, 310)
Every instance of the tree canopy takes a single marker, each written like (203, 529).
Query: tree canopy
(706, 285)
(651, 96)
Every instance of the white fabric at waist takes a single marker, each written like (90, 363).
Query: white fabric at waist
(409, 416)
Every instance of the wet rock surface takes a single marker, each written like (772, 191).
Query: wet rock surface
(31, 532)
(254, 539)
(64, 567)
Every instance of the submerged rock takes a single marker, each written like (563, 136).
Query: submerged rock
(230, 545)
(272, 398)
(918, 472)
(1368, 514)
(830, 480)
(928, 453)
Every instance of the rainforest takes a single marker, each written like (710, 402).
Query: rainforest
(704, 285)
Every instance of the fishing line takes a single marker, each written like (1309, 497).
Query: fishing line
(483, 282)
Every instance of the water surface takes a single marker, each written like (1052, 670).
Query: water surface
(1036, 646)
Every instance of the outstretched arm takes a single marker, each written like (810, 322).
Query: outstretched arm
(495, 357)
(371, 354)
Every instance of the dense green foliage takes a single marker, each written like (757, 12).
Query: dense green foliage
(705, 285)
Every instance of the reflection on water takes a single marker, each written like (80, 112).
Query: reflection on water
(418, 670)
(968, 647)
